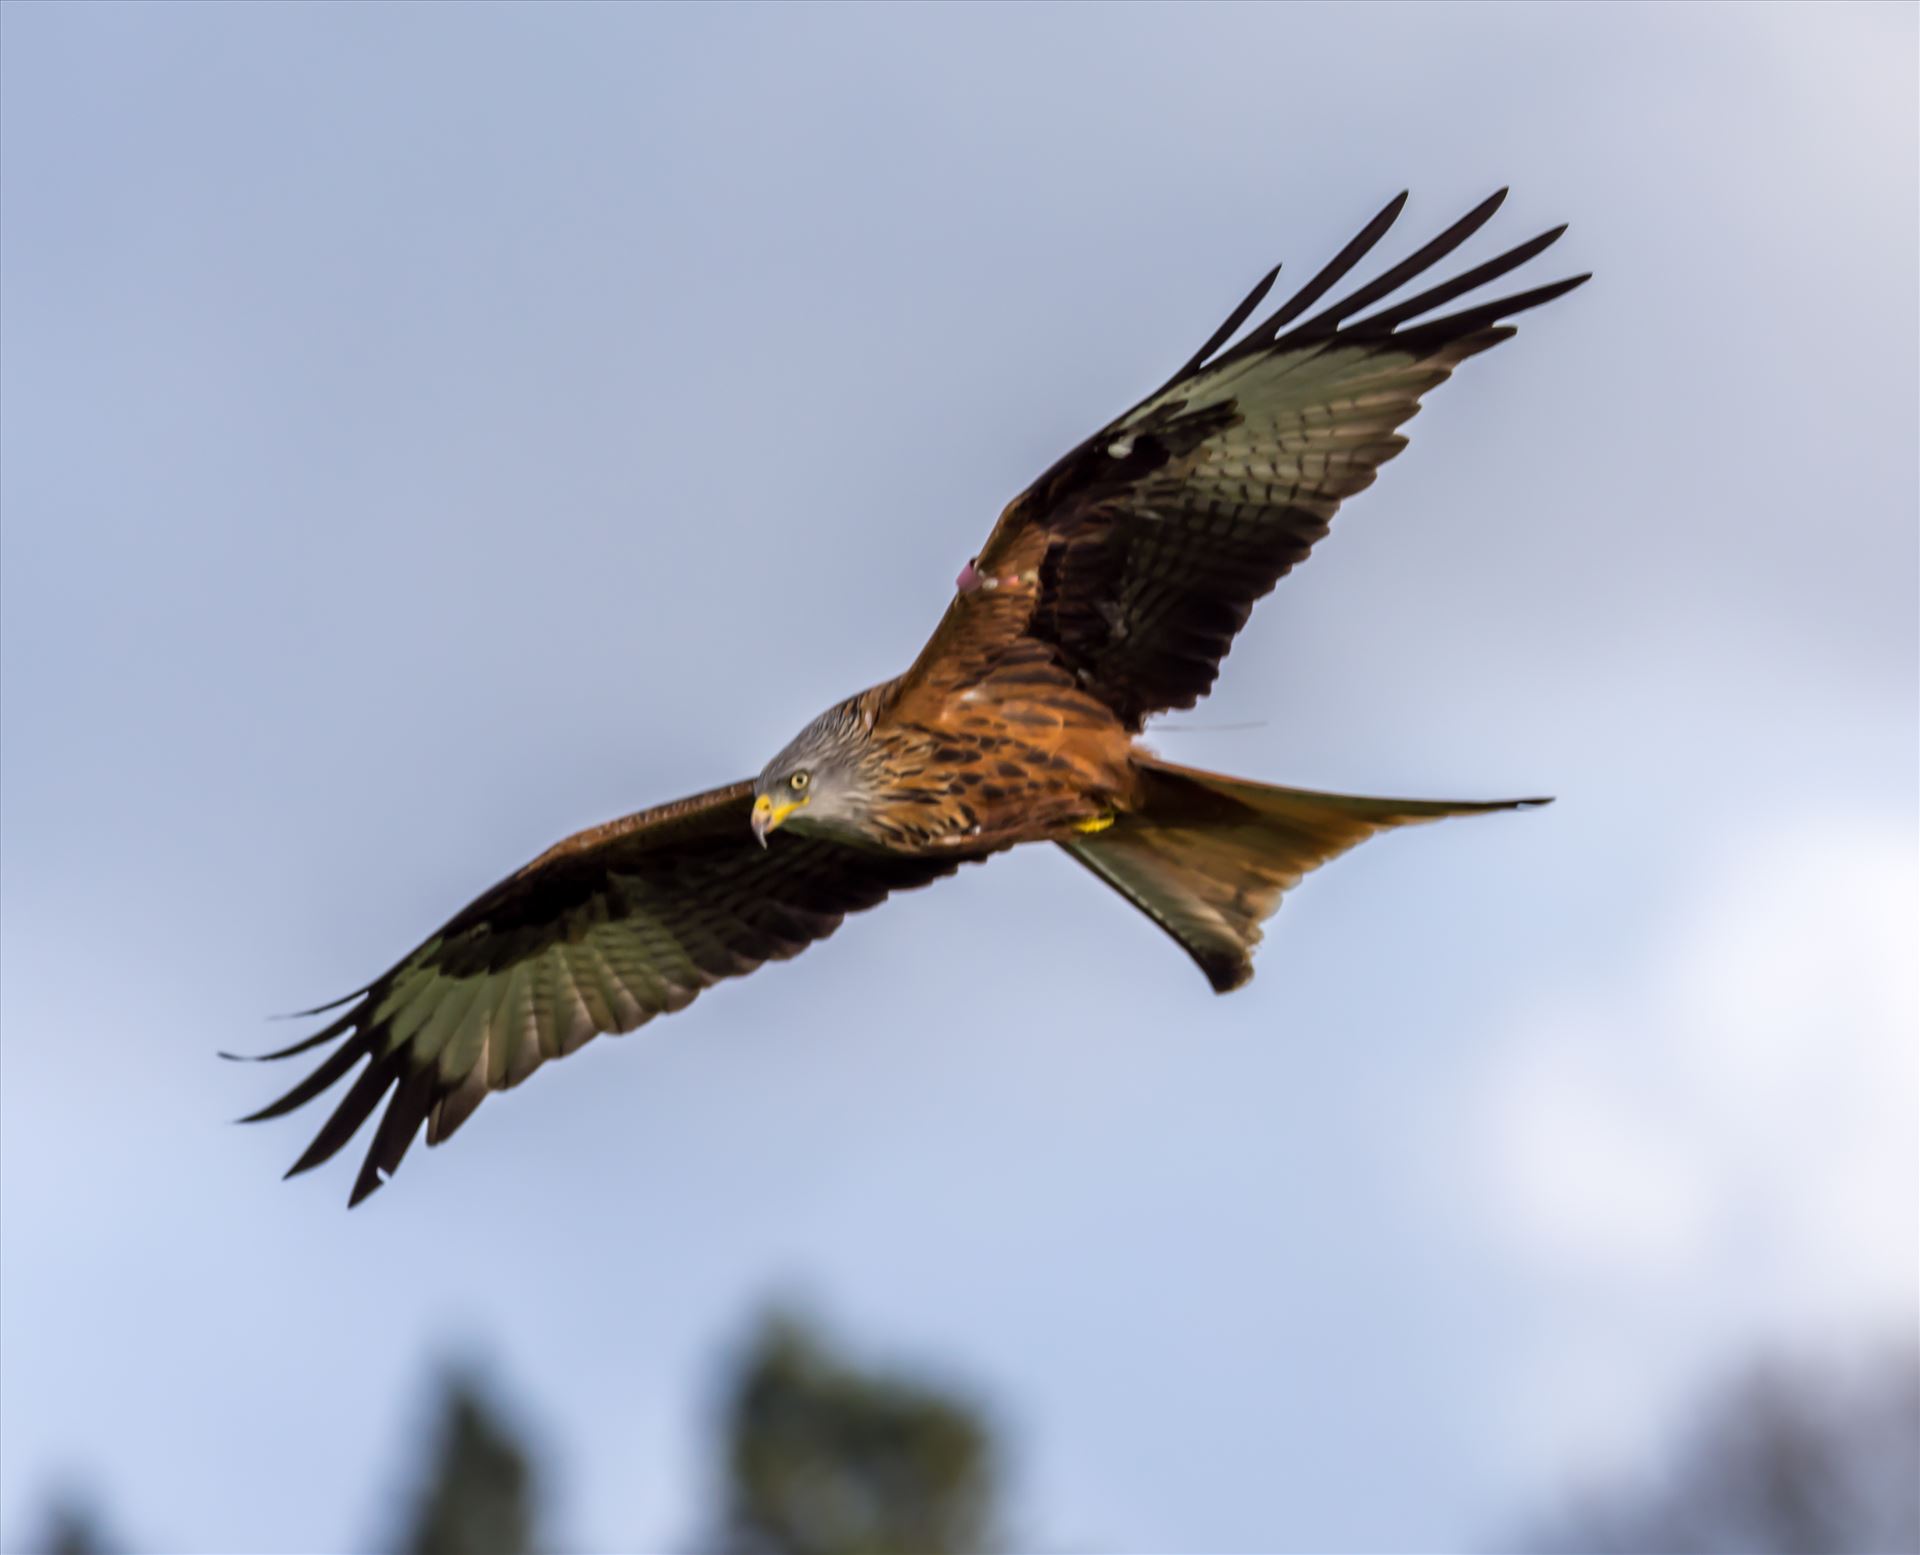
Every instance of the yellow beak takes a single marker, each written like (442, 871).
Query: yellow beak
(768, 816)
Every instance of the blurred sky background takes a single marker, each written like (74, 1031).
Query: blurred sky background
(426, 431)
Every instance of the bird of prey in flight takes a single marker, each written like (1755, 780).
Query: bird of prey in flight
(1108, 591)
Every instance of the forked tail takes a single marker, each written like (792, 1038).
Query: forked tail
(1208, 857)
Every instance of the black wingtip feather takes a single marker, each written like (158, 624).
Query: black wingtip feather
(355, 1108)
(1385, 327)
(1224, 333)
(1263, 332)
(305, 1045)
(338, 1063)
(1428, 254)
(399, 1125)
(1377, 325)
(406, 1109)
(1333, 271)
(1440, 332)
(321, 1009)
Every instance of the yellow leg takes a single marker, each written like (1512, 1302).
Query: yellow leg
(1098, 823)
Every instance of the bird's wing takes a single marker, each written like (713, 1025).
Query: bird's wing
(601, 933)
(1134, 561)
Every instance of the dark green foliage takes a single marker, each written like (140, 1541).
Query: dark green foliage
(478, 1494)
(827, 1460)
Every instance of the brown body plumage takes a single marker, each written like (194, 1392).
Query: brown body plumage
(995, 767)
(1109, 591)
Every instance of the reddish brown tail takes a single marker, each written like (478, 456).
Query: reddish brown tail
(1208, 857)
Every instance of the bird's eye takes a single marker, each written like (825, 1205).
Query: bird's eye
(799, 781)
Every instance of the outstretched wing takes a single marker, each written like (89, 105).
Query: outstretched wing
(1132, 563)
(601, 933)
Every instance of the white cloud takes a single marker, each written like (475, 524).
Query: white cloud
(1717, 1151)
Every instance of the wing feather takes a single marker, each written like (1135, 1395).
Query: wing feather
(1385, 284)
(1149, 544)
(600, 934)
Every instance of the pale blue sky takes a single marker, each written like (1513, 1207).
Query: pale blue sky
(426, 431)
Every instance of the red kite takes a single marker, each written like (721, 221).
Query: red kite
(1108, 591)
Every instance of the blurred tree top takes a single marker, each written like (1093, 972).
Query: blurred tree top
(1787, 1460)
(477, 1494)
(822, 1458)
(828, 1460)
(74, 1527)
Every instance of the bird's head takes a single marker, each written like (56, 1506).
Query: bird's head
(817, 784)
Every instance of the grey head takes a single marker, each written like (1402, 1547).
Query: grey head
(819, 784)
